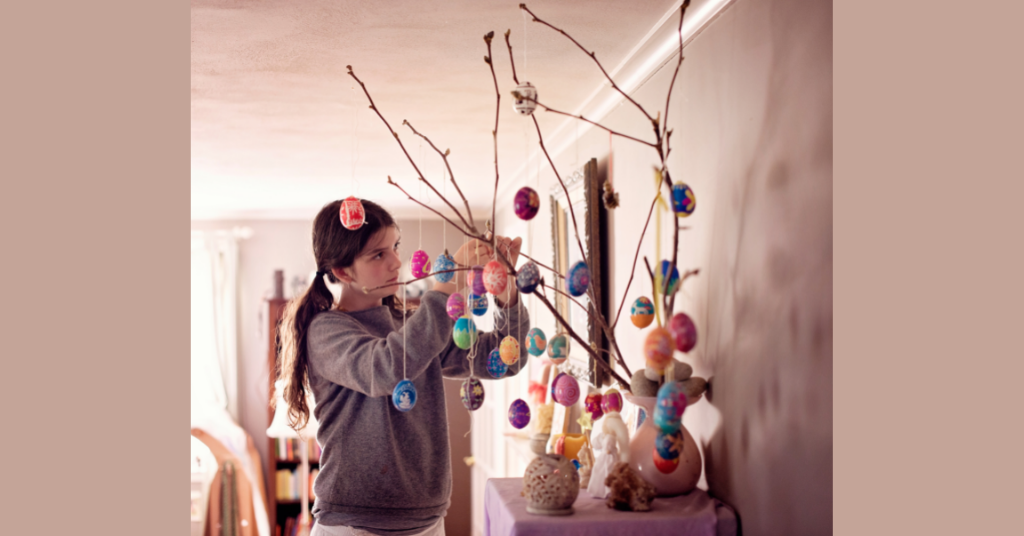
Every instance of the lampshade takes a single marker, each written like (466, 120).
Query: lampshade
(279, 427)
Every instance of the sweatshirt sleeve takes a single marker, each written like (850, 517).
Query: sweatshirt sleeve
(514, 321)
(344, 352)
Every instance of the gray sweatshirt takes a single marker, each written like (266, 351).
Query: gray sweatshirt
(383, 470)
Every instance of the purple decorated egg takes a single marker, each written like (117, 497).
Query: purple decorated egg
(509, 350)
(684, 332)
(456, 306)
(472, 393)
(578, 278)
(669, 407)
(528, 277)
(351, 213)
(420, 264)
(611, 401)
(565, 389)
(476, 280)
(495, 277)
(519, 413)
(527, 203)
(495, 366)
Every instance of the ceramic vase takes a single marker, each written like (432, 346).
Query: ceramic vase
(641, 447)
(550, 485)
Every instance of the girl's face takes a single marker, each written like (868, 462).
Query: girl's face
(378, 264)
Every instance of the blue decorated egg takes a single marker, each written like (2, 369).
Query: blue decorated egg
(684, 332)
(558, 348)
(565, 389)
(673, 280)
(526, 203)
(478, 304)
(509, 350)
(519, 413)
(456, 306)
(683, 200)
(472, 393)
(476, 280)
(642, 313)
(464, 332)
(420, 264)
(528, 277)
(404, 395)
(665, 465)
(669, 407)
(667, 448)
(578, 279)
(536, 342)
(495, 366)
(444, 262)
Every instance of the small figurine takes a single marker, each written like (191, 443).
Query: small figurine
(627, 490)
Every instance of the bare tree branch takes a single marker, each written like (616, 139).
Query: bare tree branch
(444, 156)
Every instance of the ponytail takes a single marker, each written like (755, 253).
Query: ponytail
(293, 331)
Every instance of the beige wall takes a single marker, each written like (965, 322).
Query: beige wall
(752, 113)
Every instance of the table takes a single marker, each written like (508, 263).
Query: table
(693, 514)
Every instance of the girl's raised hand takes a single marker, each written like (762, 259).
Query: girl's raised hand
(509, 248)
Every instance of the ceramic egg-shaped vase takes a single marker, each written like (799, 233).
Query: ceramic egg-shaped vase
(509, 350)
(611, 402)
(558, 348)
(565, 389)
(478, 304)
(526, 102)
(351, 213)
(442, 266)
(495, 277)
(673, 280)
(420, 264)
(495, 366)
(519, 414)
(683, 200)
(593, 405)
(464, 332)
(536, 342)
(404, 396)
(526, 203)
(642, 313)
(456, 306)
(476, 280)
(528, 277)
(472, 393)
(684, 332)
(658, 348)
(551, 484)
(578, 278)
(669, 407)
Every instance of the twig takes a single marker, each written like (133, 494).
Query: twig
(465, 232)
(444, 156)
(682, 13)
(497, 113)
(510, 60)
(597, 316)
(432, 274)
(632, 271)
(542, 265)
(580, 117)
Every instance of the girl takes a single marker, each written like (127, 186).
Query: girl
(382, 471)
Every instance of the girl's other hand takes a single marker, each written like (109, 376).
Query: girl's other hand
(509, 248)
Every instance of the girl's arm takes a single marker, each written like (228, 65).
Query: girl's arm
(344, 352)
(514, 321)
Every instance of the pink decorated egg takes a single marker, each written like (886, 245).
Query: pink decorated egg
(495, 277)
(611, 401)
(352, 213)
(565, 389)
(420, 264)
(456, 306)
(593, 404)
(658, 348)
(684, 332)
(526, 203)
(509, 350)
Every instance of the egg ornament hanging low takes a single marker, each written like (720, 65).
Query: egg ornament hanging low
(558, 348)
(669, 407)
(404, 395)
(472, 393)
(509, 350)
(478, 304)
(495, 277)
(456, 306)
(578, 279)
(442, 266)
(683, 200)
(536, 342)
(611, 401)
(420, 264)
(642, 313)
(476, 280)
(528, 277)
(684, 332)
(565, 389)
(519, 414)
(464, 332)
(673, 280)
(667, 448)
(526, 203)
(351, 213)
(495, 366)
(525, 99)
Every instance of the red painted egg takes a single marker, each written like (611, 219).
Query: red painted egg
(684, 332)
(352, 213)
(495, 277)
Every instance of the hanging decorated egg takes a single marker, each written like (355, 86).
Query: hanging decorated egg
(669, 408)
(476, 280)
(464, 332)
(527, 203)
(420, 264)
(683, 331)
(509, 350)
(658, 348)
(593, 405)
(536, 342)
(456, 306)
(673, 280)
(642, 313)
(578, 279)
(565, 389)
(667, 448)
(495, 366)
(472, 393)
(526, 102)
(352, 213)
(683, 200)
(495, 277)
(404, 395)
(611, 402)
(519, 413)
(528, 277)
(478, 304)
(442, 264)
(558, 348)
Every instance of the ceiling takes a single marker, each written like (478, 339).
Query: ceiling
(279, 128)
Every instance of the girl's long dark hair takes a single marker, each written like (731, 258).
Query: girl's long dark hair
(334, 246)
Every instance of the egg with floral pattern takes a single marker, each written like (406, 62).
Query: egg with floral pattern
(495, 366)
(528, 277)
(558, 348)
(495, 277)
(476, 280)
(442, 265)
(420, 264)
(404, 396)
(526, 203)
(578, 279)
(658, 348)
(669, 407)
(683, 200)
(519, 413)
(351, 213)
(642, 313)
(456, 306)
(509, 350)
(536, 342)
(565, 389)
(478, 304)
(472, 393)
(611, 401)
(464, 332)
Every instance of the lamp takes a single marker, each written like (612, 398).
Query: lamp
(279, 429)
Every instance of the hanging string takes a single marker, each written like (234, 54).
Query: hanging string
(419, 189)
(523, 12)
(405, 333)
(354, 155)
(444, 190)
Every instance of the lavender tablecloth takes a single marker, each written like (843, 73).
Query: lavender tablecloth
(693, 514)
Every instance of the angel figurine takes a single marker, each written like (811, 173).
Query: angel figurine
(606, 455)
